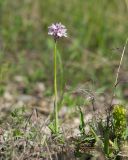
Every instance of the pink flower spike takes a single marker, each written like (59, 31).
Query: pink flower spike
(57, 30)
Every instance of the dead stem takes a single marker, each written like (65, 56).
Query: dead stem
(118, 71)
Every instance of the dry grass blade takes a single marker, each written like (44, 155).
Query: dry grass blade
(121, 60)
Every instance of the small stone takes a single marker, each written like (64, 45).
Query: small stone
(88, 117)
(19, 78)
(76, 121)
(40, 87)
(7, 96)
(76, 132)
(26, 99)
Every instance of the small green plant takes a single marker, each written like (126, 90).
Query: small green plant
(4, 70)
(119, 120)
(82, 123)
(57, 31)
(18, 115)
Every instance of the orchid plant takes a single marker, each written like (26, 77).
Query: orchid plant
(57, 31)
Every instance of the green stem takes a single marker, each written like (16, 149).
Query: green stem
(55, 88)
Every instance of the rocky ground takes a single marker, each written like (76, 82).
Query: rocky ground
(38, 111)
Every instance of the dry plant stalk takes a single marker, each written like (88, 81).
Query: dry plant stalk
(118, 71)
